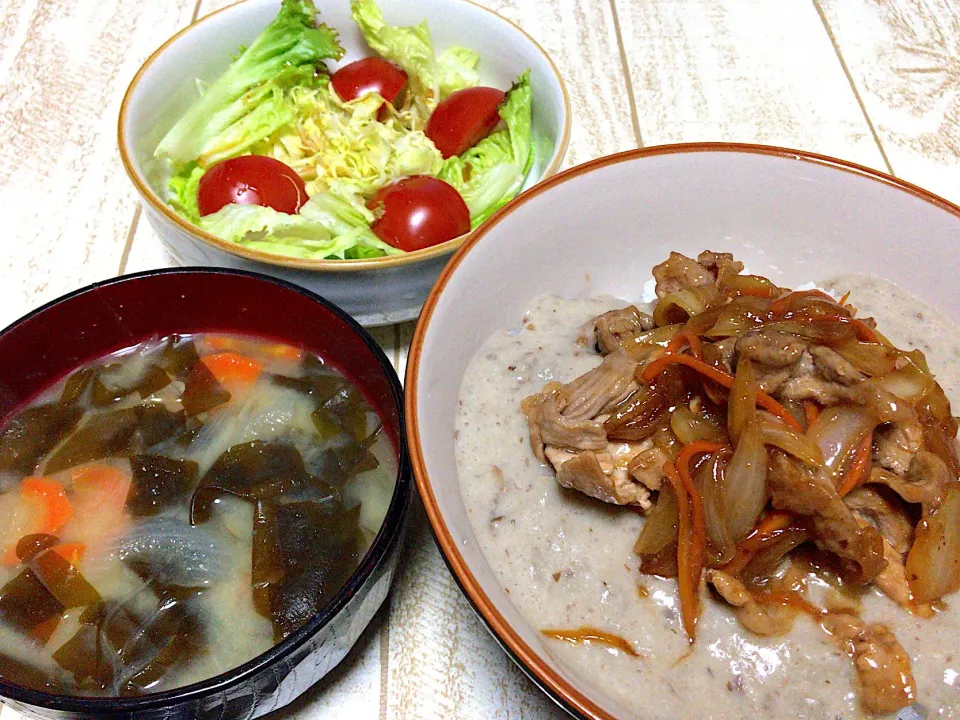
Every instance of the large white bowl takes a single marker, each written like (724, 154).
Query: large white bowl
(598, 229)
(376, 291)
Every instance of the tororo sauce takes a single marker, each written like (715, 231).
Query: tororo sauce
(567, 561)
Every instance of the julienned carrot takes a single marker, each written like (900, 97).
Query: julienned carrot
(811, 410)
(657, 366)
(689, 588)
(846, 296)
(691, 338)
(859, 467)
(789, 598)
(233, 369)
(773, 523)
(698, 526)
(57, 509)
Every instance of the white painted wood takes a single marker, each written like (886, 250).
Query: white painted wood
(904, 59)
(735, 70)
(742, 70)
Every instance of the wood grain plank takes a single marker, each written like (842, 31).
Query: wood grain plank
(903, 57)
(745, 71)
(351, 691)
(63, 70)
(580, 36)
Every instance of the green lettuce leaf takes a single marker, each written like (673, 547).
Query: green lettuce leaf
(247, 103)
(183, 192)
(491, 173)
(431, 78)
(327, 226)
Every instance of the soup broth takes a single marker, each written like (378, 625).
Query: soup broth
(175, 509)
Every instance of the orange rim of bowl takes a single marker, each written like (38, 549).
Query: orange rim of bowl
(154, 200)
(545, 675)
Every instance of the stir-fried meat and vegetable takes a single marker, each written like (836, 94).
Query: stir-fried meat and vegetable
(767, 434)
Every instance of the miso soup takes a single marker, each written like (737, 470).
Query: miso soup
(175, 509)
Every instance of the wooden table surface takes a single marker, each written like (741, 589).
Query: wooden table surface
(872, 81)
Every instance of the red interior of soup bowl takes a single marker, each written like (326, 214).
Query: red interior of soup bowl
(57, 338)
(41, 348)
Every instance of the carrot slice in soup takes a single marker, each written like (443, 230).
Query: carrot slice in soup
(232, 369)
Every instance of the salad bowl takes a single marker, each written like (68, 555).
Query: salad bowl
(376, 290)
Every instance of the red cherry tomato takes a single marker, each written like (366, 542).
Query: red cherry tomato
(371, 74)
(251, 180)
(464, 119)
(418, 212)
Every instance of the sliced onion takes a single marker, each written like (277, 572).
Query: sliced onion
(745, 482)
(825, 332)
(660, 526)
(690, 427)
(710, 481)
(667, 443)
(908, 383)
(838, 431)
(933, 564)
(748, 285)
(769, 557)
(869, 358)
(742, 402)
(739, 316)
(637, 417)
(790, 441)
(683, 304)
(883, 404)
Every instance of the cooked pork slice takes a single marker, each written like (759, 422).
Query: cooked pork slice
(885, 512)
(614, 328)
(770, 379)
(922, 483)
(729, 588)
(892, 580)
(882, 665)
(600, 475)
(647, 467)
(896, 444)
(809, 387)
(599, 390)
(765, 620)
(716, 262)
(799, 489)
(567, 417)
(679, 272)
(728, 350)
(771, 348)
(548, 427)
(834, 367)
(557, 429)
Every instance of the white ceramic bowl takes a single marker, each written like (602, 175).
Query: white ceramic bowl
(376, 291)
(598, 229)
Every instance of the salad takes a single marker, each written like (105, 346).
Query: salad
(389, 154)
